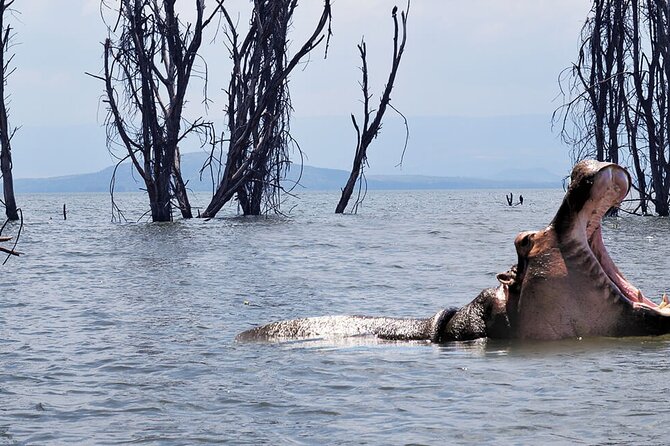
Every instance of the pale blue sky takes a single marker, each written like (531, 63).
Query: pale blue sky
(476, 58)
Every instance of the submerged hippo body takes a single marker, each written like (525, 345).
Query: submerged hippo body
(564, 285)
(480, 318)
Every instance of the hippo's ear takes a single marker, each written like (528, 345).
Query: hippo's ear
(506, 278)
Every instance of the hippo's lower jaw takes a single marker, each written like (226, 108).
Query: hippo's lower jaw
(619, 287)
(604, 267)
(640, 316)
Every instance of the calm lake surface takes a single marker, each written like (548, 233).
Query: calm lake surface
(123, 333)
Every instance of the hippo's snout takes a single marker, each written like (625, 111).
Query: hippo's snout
(621, 179)
(612, 180)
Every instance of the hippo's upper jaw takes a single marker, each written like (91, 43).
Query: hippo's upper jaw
(570, 285)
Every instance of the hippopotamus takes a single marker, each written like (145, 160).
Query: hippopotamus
(564, 285)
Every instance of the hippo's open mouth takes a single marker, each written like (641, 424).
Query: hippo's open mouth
(620, 285)
(609, 186)
(619, 182)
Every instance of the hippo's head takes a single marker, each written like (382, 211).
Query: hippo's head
(568, 286)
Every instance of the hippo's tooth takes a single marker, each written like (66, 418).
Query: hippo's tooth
(664, 302)
(614, 293)
(594, 268)
(602, 280)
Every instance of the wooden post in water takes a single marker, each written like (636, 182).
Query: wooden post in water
(64, 212)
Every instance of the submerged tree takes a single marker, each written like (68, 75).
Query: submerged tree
(618, 100)
(147, 69)
(6, 132)
(259, 108)
(372, 124)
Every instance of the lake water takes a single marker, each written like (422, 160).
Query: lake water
(123, 333)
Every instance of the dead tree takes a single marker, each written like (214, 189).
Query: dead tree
(6, 132)
(651, 81)
(617, 106)
(372, 125)
(148, 63)
(259, 107)
(596, 81)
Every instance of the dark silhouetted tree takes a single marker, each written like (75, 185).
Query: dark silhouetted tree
(259, 108)
(148, 63)
(617, 105)
(372, 120)
(6, 132)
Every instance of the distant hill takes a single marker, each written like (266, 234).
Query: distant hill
(312, 178)
(452, 146)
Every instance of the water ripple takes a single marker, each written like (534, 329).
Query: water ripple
(123, 333)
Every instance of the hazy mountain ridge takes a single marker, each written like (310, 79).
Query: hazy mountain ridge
(444, 146)
(311, 178)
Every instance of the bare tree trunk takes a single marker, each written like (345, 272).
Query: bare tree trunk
(11, 210)
(372, 125)
(639, 174)
(179, 187)
(5, 133)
